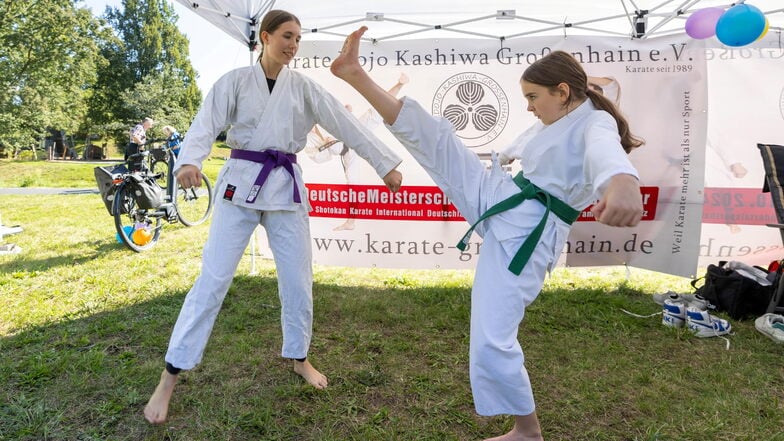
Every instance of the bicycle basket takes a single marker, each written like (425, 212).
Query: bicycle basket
(105, 176)
(159, 154)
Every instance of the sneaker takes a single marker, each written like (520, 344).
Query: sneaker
(674, 312)
(772, 325)
(699, 302)
(703, 324)
(659, 299)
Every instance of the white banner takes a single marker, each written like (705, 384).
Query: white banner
(659, 84)
(746, 97)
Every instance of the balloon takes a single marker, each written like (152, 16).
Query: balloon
(701, 23)
(141, 237)
(740, 25)
(764, 31)
(128, 232)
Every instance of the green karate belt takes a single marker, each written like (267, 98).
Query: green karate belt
(528, 191)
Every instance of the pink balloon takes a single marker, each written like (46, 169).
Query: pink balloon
(701, 23)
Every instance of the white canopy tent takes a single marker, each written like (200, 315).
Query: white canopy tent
(603, 31)
(497, 19)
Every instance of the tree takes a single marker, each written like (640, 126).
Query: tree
(159, 95)
(105, 104)
(151, 68)
(48, 54)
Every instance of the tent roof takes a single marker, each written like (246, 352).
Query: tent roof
(499, 19)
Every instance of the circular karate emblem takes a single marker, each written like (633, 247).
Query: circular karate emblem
(476, 106)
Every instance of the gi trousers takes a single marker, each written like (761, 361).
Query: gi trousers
(288, 233)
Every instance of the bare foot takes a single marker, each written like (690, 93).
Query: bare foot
(157, 408)
(511, 436)
(526, 428)
(310, 374)
(347, 225)
(346, 65)
(734, 229)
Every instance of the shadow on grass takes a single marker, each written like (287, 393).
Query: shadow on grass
(89, 378)
(97, 249)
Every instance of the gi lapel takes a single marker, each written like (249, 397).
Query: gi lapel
(551, 135)
(272, 105)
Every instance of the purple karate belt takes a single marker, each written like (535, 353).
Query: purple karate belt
(269, 159)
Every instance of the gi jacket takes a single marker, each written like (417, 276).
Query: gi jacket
(259, 120)
(573, 159)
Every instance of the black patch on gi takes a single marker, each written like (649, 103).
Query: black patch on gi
(229, 193)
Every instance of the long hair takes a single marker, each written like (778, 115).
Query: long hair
(560, 67)
(272, 21)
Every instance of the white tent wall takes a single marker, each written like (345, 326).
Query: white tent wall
(718, 79)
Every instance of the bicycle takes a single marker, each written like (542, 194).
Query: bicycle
(136, 196)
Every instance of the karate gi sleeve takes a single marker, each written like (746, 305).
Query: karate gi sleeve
(333, 116)
(515, 149)
(213, 117)
(604, 155)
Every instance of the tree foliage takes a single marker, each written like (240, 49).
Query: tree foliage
(63, 68)
(159, 96)
(154, 74)
(48, 54)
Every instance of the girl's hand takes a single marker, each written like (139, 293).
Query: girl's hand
(393, 180)
(621, 205)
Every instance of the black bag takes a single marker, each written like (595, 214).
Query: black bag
(105, 177)
(146, 191)
(729, 291)
(137, 164)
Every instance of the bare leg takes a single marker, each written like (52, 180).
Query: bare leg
(347, 225)
(310, 374)
(526, 428)
(346, 67)
(157, 408)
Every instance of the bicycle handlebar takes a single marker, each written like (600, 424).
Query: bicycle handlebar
(146, 152)
(152, 141)
(139, 154)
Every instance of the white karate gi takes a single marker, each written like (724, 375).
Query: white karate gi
(573, 159)
(261, 120)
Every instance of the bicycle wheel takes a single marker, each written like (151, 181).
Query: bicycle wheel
(127, 216)
(162, 168)
(194, 204)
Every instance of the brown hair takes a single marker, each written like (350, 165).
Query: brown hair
(272, 21)
(560, 67)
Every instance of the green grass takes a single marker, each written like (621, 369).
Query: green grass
(84, 324)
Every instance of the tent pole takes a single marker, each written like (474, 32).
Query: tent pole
(678, 11)
(255, 236)
(254, 239)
